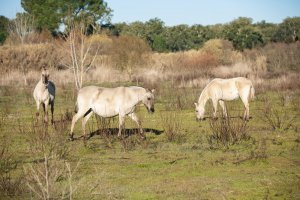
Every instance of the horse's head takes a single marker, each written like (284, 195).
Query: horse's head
(45, 76)
(148, 100)
(199, 111)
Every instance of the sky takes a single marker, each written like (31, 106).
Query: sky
(190, 12)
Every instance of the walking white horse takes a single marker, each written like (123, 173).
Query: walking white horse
(44, 93)
(110, 102)
(220, 90)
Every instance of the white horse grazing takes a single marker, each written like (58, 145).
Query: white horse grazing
(110, 102)
(220, 90)
(44, 93)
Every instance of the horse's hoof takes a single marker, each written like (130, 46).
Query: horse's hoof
(71, 138)
(143, 137)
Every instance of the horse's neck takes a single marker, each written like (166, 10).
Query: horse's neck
(42, 85)
(140, 96)
(203, 97)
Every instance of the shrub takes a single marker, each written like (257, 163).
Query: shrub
(227, 131)
(171, 124)
(277, 116)
(128, 53)
(221, 49)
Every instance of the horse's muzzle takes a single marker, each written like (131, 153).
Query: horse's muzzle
(151, 110)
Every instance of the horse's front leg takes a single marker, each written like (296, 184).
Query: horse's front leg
(37, 114)
(121, 124)
(222, 104)
(45, 107)
(134, 117)
(215, 105)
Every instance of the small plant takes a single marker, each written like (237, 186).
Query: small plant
(227, 131)
(172, 127)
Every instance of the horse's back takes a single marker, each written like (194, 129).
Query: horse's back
(114, 95)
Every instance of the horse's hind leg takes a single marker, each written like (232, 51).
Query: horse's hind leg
(138, 122)
(246, 105)
(74, 120)
(52, 111)
(121, 124)
(84, 120)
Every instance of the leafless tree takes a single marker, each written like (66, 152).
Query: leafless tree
(80, 53)
(21, 27)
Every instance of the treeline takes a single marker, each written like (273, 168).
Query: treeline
(50, 16)
(242, 32)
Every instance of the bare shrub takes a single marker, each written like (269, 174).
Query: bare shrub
(78, 50)
(278, 57)
(172, 126)
(20, 28)
(49, 175)
(227, 131)
(278, 117)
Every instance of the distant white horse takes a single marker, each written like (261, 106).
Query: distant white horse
(220, 90)
(44, 93)
(110, 102)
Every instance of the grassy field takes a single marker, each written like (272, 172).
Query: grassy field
(180, 159)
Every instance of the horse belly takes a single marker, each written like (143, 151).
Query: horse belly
(105, 111)
(231, 95)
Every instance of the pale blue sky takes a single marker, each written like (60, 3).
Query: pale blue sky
(174, 12)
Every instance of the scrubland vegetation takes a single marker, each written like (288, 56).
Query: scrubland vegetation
(224, 158)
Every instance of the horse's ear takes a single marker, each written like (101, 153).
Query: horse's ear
(153, 90)
(196, 104)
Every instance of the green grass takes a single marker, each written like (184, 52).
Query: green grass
(267, 166)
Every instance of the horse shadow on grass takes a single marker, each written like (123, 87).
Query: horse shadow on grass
(126, 132)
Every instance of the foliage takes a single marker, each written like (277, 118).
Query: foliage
(242, 34)
(3, 28)
(51, 14)
(288, 31)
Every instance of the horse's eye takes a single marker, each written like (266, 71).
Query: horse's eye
(196, 110)
(149, 98)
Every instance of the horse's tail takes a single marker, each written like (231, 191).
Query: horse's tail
(252, 93)
(76, 107)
